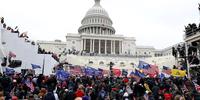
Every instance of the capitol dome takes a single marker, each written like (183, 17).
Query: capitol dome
(97, 9)
(97, 21)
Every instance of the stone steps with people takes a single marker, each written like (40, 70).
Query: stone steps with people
(25, 50)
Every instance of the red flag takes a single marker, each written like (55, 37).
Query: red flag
(116, 72)
(11, 54)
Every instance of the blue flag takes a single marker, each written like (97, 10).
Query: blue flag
(132, 73)
(138, 73)
(99, 72)
(35, 66)
(161, 75)
(90, 71)
(165, 68)
(143, 65)
(62, 75)
(9, 71)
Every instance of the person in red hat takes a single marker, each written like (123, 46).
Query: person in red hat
(80, 92)
(14, 98)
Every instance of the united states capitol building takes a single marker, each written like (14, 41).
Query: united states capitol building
(97, 44)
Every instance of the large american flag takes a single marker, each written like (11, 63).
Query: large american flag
(166, 70)
(152, 71)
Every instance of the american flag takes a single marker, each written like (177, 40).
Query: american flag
(166, 70)
(151, 71)
(30, 85)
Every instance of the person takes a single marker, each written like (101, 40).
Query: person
(51, 87)
(4, 25)
(2, 20)
(80, 92)
(126, 96)
(1, 95)
(139, 91)
(102, 94)
(168, 95)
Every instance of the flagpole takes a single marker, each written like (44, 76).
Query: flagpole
(43, 65)
(199, 8)
(188, 65)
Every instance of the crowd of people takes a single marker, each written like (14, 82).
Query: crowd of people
(31, 87)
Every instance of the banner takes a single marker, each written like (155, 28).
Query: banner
(9, 71)
(76, 70)
(143, 65)
(178, 73)
(90, 71)
(62, 75)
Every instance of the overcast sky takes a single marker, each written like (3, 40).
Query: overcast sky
(158, 23)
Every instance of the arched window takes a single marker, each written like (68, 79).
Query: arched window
(101, 63)
(90, 62)
(122, 64)
(132, 64)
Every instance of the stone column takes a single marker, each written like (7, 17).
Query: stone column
(90, 45)
(119, 47)
(114, 47)
(93, 40)
(111, 47)
(81, 48)
(84, 44)
(105, 46)
(122, 47)
(99, 46)
(90, 30)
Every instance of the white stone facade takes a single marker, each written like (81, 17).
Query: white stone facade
(96, 35)
(145, 51)
(56, 46)
(129, 46)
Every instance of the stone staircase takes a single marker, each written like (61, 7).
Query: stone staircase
(25, 51)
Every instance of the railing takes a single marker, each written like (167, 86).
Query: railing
(191, 32)
(114, 55)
